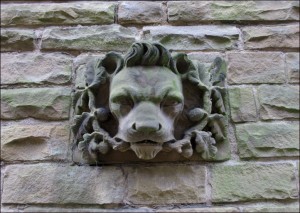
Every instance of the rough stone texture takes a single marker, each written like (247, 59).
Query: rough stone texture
(209, 37)
(278, 102)
(292, 64)
(194, 209)
(105, 38)
(17, 40)
(285, 208)
(268, 139)
(140, 12)
(34, 142)
(40, 103)
(205, 58)
(242, 104)
(271, 37)
(56, 14)
(166, 184)
(258, 67)
(80, 63)
(62, 184)
(48, 209)
(181, 12)
(247, 182)
(36, 68)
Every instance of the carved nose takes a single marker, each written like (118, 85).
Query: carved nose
(146, 127)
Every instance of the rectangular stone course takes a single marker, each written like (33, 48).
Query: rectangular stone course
(271, 37)
(242, 104)
(57, 13)
(34, 142)
(166, 184)
(141, 12)
(46, 183)
(255, 67)
(209, 37)
(276, 139)
(278, 102)
(182, 12)
(92, 38)
(249, 182)
(17, 40)
(35, 68)
(292, 65)
(282, 209)
(39, 103)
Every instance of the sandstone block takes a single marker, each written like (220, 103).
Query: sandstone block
(166, 184)
(57, 13)
(268, 139)
(179, 12)
(35, 68)
(62, 184)
(248, 182)
(278, 102)
(209, 37)
(285, 208)
(40, 103)
(292, 64)
(244, 68)
(17, 40)
(194, 209)
(140, 12)
(271, 37)
(34, 142)
(102, 38)
(242, 104)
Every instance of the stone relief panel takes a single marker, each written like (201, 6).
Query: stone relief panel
(151, 105)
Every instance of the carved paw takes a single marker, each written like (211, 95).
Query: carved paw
(94, 143)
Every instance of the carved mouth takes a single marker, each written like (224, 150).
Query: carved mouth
(147, 143)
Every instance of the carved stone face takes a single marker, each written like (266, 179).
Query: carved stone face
(146, 102)
(150, 101)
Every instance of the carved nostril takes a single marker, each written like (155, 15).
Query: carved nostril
(159, 126)
(133, 126)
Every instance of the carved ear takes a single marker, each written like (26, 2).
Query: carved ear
(98, 70)
(182, 63)
(112, 62)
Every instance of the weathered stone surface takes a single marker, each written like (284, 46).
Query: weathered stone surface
(40, 103)
(253, 181)
(292, 64)
(83, 209)
(278, 102)
(242, 104)
(80, 67)
(54, 14)
(244, 68)
(140, 12)
(205, 58)
(179, 12)
(16, 39)
(194, 209)
(166, 184)
(34, 142)
(36, 68)
(285, 208)
(271, 37)
(268, 139)
(105, 38)
(62, 184)
(209, 37)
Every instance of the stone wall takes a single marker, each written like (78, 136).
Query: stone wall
(44, 47)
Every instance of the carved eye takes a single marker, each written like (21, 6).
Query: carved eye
(124, 101)
(170, 102)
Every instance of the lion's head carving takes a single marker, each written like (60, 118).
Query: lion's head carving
(150, 101)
